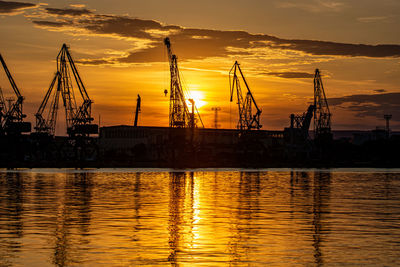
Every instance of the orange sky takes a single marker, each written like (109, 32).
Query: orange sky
(120, 53)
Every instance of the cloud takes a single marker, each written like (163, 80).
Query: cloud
(314, 6)
(379, 90)
(95, 62)
(193, 43)
(78, 5)
(373, 19)
(50, 23)
(375, 105)
(14, 8)
(68, 11)
(290, 74)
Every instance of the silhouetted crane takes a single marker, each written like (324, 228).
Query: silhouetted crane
(247, 120)
(138, 103)
(302, 123)
(179, 115)
(78, 118)
(322, 115)
(11, 116)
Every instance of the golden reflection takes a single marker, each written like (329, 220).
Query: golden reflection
(246, 209)
(184, 217)
(176, 210)
(304, 195)
(73, 220)
(187, 218)
(320, 208)
(136, 207)
(196, 209)
(11, 216)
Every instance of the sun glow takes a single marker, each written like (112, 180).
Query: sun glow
(198, 97)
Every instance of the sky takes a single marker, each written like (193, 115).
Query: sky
(119, 50)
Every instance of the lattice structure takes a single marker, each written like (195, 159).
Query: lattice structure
(179, 114)
(247, 119)
(322, 115)
(78, 118)
(11, 115)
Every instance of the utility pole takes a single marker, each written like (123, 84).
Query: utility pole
(216, 109)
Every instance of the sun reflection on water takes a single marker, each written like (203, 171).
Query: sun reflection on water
(188, 218)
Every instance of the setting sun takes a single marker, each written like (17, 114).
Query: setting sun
(198, 97)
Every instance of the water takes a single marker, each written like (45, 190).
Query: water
(212, 218)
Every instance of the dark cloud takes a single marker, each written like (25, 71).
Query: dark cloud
(379, 90)
(51, 23)
(13, 7)
(340, 49)
(68, 11)
(95, 62)
(122, 26)
(194, 43)
(290, 75)
(375, 105)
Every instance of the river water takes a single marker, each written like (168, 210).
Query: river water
(231, 217)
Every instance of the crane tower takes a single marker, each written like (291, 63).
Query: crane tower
(179, 114)
(247, 120)
(322, 115)
(78, 118)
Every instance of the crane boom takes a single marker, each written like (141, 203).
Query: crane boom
(10, 78)
(247, 120)
(12, 117)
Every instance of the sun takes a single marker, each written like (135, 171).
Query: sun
(198, 98)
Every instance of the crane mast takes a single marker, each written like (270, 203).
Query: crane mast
(322, 115)
(12, 116)
(179, 115)
(247, 120)
(78, 118)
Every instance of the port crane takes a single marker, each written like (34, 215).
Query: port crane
(179, 114)
(322, 115)
(78, 118)
(247, 120)
(11, 116)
